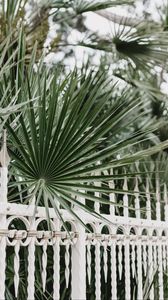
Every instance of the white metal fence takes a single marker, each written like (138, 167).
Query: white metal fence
(123, 256)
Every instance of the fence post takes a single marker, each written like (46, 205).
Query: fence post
(56, 263)
(31, 262)
(79, 265)
(4, 161)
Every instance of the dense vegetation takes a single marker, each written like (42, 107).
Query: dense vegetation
(65, 126)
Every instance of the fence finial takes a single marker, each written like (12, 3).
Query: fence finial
(4, 157)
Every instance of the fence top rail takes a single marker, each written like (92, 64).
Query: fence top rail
(22, 210)
(53, 236)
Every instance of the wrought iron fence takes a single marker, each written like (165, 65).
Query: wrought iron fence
(128, 255)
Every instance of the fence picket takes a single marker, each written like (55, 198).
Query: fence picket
(120, 259)
(150, 268)
(31, 262)
(67, 266)
(160, 270)
(113, 270)
(105, 261)
(139, 270)
(133, 259)
(56, 269)
(125, 198)
(158, 208)
(97, 194)
(97, 271)
(127, 270)
(165, 203)
(112, 195)
(148, 202)
(89, 257)
(2, 260)
(44, 265)
(56, 263)
(16, 267)
(137, 201)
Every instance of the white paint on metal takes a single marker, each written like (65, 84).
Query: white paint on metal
(138, 255)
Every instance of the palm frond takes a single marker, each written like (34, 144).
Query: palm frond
(144, 49)
(9, 89)
(59, 136)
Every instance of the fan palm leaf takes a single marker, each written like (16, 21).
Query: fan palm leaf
(58, 138)
(144, 49)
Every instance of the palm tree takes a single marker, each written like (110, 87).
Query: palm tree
(75, 125)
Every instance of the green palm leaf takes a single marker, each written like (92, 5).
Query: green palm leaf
(59, 137)
(143, 48)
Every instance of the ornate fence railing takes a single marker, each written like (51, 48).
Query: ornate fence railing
(128, 255)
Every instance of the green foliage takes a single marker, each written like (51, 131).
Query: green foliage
(141, 47)
(9, 93)
(58, 140)
(69, 131)
(74, 125)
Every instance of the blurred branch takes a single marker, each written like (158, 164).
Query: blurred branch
(118, 19)
(126, 21)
